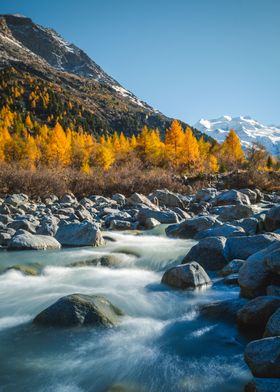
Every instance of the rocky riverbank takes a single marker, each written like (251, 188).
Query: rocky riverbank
(238, 238)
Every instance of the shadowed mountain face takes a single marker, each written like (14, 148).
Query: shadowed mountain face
(42, 53)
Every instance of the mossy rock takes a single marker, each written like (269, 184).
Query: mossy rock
(32, 269)
(105, 261)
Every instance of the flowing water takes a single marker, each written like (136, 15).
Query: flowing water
(161, 345)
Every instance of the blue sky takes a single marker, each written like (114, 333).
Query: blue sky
(187, 58)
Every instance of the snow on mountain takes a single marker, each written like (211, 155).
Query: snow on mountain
(248, 130)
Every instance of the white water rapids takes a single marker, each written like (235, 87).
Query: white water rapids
(161, 345)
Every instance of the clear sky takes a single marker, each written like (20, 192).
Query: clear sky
(187, 58)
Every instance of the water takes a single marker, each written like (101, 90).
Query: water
(161, 345)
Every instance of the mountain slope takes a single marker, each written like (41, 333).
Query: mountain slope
(248, 130)
(28, 49)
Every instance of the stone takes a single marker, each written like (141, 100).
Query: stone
(23, 224)
(48, 226)
(263, 357)
(186, 276)
(139, 199)
(119, 198)
(191, 227)
(273, 261)
(209, 253)
(32, 269)
(24, 240)
(223, 310)
(116, 224)
(79, 309)
(272, 219)
(253, 195)
(16, 200)
(231, 213)
(79, 234)
(205, 194)
(151, 223)
(68, 198)
(231, 279)
(272, 327)
(232, 267)
(257, 312)
(167, 198)
(231, 197)
(221, 231)
(161, 216)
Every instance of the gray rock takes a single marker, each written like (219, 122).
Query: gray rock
(273, 325)
(263, 357)
(232, 267)
(79, 234)
(16, 200)
(186, 276)
(253, 195)
(119, 198)
(223, 231)
(49, 225)
(250, 225)
(205, 194)
(5, 238)
(79, 309)
(167, 198)
(272, 219)
(245, 246)
(231, 197)
(24, 240)
(161, 216)
(116, 224)
(138, 199)
(190, 227)
(23, 224)
(68, 198)
(223, 310)
(209, 253)
(151, 223)
(231, 213)
(263, 385)
(273, 261)
(257, 312)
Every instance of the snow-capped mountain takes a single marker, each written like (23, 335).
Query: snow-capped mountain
(248, 130)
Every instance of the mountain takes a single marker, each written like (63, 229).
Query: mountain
(248, 130)
(75, 84)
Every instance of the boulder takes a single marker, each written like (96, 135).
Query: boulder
(245, 246)
(151, 223)
(250, 225)
(190, 227)
(272, 327)
(209, 253)
(119, 198)
(49, 225)
(257, 312)
(254, 275)
(24, 240)
(263, 357)
(116, 224)
(16, 200)
(273, 261)
(79, 234)
(23, 224)
(272, 219)
(231, 197)
(205, 194)
(68, 198)
(253, 195)
(231, 213)
(160, 216)
(231, 279)
(223, 310)
(139, 199)
(79, 309)
(223, 231)
(167, 198)
(232, 267)
(186, 276)
(32, 269)
(263, 385)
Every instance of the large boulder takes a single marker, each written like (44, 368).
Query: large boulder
(254, 196)
(209, 253)
(263, 385)
(255, 275)
(137, 199)
(223, 310)
(160, 216)
(79, 234)
(257, 312)
(232, 267)
(79, 309)
(224, 231)
(231, 213)
(231, 197)
(272, 219)
(190, 227)
(245, 246)
(167, 198)
(24, 240)
(205, 194)
(273, 325)
(186, 276)
(16, 200)
(273, 261)
(263, 357)
(48, 226)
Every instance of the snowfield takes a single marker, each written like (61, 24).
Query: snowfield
(248, 130)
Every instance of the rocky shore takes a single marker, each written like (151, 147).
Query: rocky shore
(238, 239)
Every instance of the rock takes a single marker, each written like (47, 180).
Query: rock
(231, 279)
(32, 269)
(263, 357)
(79, 234)
(273, 290)
(231, 213)
(257, 311)
(273, 325)
(23, 224)
(161, 216)
(205, 194)
(223, 310)
(231, 197)
(245, 246)
(24, 240)
(138, 199)
(119, 198)
(167, 198)
(272, 219)
(190, 227)
(5, 238)
(68, 198)
(209, 253)
(221, 231)
(151, 223)
(250, 225)
(254, 275)
(116, 224)
(273, 261)
(186, 276)
(16, 200)
(232, 267)
(263, 385)
(181, 213)
(253, 195)
(49, 225)
(111, 260)
(79, 309)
